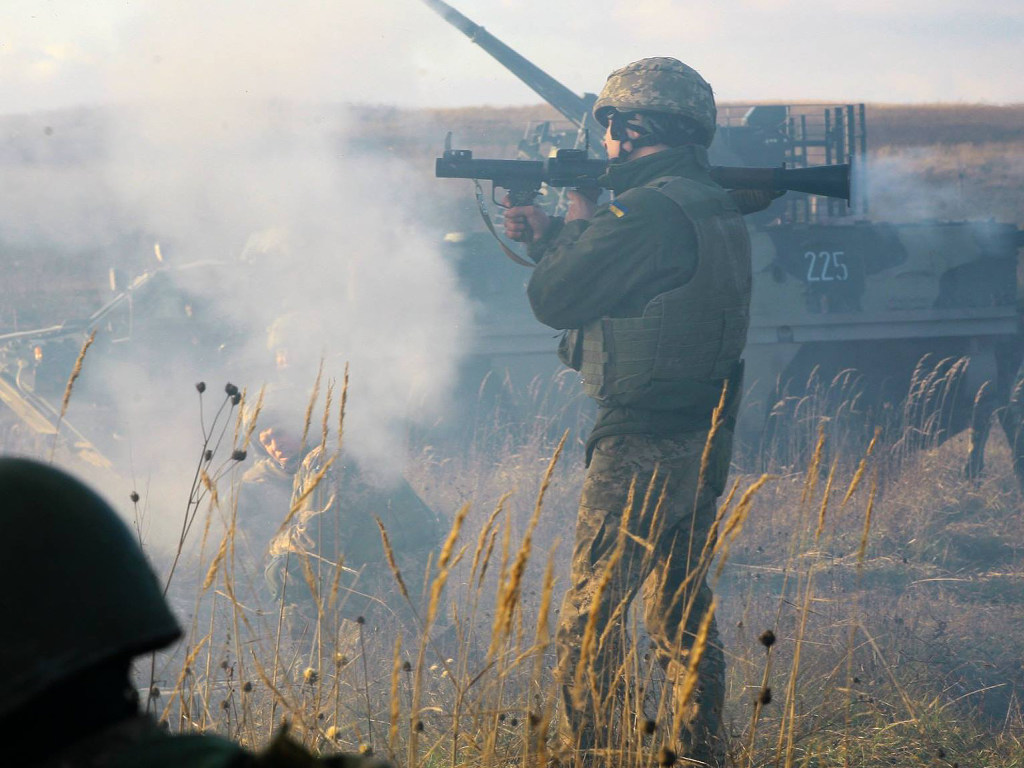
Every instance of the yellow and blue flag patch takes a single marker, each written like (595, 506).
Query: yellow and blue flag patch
(618, 209)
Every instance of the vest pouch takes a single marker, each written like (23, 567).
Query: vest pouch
(570, 349)
(689, 338)
(617, 356)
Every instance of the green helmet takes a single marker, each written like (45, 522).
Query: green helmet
(77, 590)
(659, 84)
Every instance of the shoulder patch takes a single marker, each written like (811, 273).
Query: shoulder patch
(618, 209)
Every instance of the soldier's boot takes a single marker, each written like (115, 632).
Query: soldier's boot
(1011, 419)
(701, 735)
(981, 426)
(584, 725)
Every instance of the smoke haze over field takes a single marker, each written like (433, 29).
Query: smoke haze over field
(312, 240)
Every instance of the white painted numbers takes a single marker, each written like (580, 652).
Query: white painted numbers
(826, 266)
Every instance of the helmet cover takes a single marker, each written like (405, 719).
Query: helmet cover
(659, 84)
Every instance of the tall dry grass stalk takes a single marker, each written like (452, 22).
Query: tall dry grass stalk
(396, 704)
(510, 591)
(389, 554)
(314, 395)
(444, 563)
(684, 689)
(76, 371)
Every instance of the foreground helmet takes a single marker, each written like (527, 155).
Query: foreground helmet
(75, 588)
(659, 84)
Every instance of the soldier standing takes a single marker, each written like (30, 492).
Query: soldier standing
(79, 603)
(654, 292)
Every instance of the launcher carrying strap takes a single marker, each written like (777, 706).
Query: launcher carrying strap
(486, 216)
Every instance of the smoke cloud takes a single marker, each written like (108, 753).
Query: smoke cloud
(310, 251)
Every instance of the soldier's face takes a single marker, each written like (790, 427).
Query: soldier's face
(279, 446)
(616, 147)
(612, 146)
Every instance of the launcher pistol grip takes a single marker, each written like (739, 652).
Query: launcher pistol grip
(519, 195)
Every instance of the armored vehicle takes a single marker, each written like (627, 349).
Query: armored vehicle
(163, 320)
(867, 322)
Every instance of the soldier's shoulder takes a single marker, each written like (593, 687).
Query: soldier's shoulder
(193, 750)
(699, 197)
(645, 201)
(265, 471)
(140, 743)
(285, 752)
(211, 751)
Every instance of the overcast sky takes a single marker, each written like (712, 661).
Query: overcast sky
(59, 53)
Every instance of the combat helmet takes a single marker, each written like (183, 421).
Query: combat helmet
(659, 84)
(77, 590)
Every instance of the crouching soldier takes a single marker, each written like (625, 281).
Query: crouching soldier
(326, 555)
(79, 602)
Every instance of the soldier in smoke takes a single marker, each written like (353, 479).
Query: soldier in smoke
(92, 605)
(312, 510)
(654, 290)
(315, 515)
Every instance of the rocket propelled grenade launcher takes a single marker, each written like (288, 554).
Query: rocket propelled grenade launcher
(573, 168)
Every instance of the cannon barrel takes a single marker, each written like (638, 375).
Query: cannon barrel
(574, 107)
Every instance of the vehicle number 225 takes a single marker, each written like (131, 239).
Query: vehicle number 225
(826, 266)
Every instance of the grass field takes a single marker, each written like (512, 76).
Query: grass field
(891, 584)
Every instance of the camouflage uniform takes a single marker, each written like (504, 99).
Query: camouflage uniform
(677, 532)
(335, 524)
(264, 498)
(657, 288)
(140, 743)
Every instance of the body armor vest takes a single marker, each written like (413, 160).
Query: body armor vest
(688, 339)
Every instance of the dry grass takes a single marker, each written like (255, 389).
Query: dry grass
(893, 125)
(891, 584)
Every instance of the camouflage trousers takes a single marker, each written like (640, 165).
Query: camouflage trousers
(1011, 419)
(654, 551)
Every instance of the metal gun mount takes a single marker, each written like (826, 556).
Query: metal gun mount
(576, 109)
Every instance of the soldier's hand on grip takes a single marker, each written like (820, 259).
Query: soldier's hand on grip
(525, 223)
(754, 200)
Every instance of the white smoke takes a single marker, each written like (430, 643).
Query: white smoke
(915, 183)
(218, 154)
